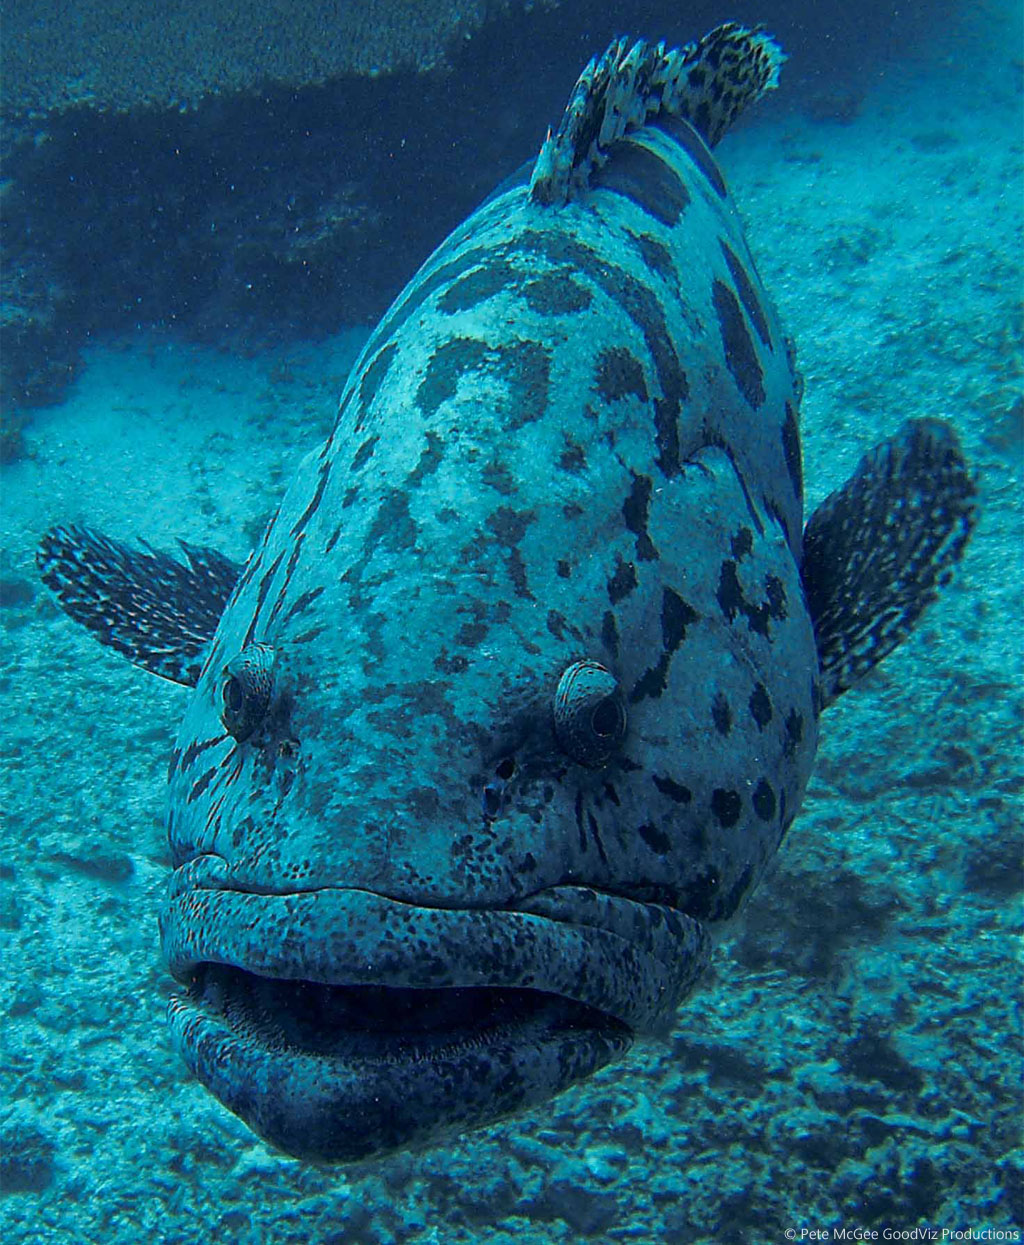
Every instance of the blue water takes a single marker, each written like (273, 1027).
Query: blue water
(853, 1060)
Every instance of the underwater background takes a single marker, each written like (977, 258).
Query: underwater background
(198, 230)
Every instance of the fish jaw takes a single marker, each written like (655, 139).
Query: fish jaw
(345, 1024)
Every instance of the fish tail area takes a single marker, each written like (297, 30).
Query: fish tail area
(877, 551)
(157, 611)
(708, 83)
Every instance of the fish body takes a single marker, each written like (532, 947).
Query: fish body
(519, 694)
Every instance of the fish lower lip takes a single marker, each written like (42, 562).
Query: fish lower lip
(343, 1073)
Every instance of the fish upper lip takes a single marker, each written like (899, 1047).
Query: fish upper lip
(630, 960)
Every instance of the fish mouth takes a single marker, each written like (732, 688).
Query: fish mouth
(341, 1024)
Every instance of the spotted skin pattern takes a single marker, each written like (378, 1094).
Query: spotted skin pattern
(399, 907)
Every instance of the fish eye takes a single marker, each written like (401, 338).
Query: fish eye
(246, 689)
(590, 714)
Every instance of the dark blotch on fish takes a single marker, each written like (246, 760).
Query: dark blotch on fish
(373, 378)
(721, 714)
(431, 457)
(364, 453)
(643, 177)
(610, 633)
(726, 806)
(448, 362)
(572, 458)
(634, 511)
(524, 366)
(476, 287)
(764, 800)
(498, 477)
(733, 601)
(690, 141)
(393, 526)
(747, 293)
(657, 840)
(557, 294)
(740, 356)
(620, 375)
(674, 790)
(623, 581)
(761, 705)
(676, 616)
(509, 525)
(742, 543)
(655, 255)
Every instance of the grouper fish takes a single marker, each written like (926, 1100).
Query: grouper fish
(519, 693)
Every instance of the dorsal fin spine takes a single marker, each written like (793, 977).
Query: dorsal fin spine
(707, 83)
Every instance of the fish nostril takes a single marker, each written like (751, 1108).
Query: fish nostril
(491, 800)
(493, 796)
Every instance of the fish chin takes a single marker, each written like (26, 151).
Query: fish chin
(349, 1024)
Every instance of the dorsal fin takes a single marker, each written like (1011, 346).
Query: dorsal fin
(158, 612)
(707, 83)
